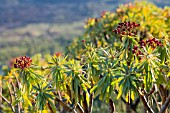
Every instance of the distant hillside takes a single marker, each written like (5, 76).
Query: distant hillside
(50, 24)
(23, 12)
(15, 13)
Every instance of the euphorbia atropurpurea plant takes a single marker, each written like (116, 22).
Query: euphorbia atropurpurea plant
(61, 82)
(138, 71)
(135, 68)
(130, 66)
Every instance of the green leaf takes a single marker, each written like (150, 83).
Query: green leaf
(96, 67)
(37, 76)
(127, 44)
(120, 91)
(46, 86)
(49, 90)
(125, 68)
(132, 94)
(76, 90)
(141, 66)
(100, 86)
(52, 105)
(93, 89)
(98, 91)
(103, 92)
(111, 91)
(107, 89)
(83, 87)
(168, 85)
(87, 98)
(126, 86)
(48, 96)
(153, 75)
(16, 102)
(163, 54)
(36, 88)
(116, 81)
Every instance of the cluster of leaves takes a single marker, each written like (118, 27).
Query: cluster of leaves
(103, 68)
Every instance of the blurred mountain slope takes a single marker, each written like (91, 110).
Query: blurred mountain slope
(50, 24)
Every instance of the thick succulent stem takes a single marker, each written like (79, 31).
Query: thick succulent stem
(165, 105)
(128, 108)
(91, 102)
(65, 106)
(111, 106)
(85, 106)
(145, 103)
(9, 103)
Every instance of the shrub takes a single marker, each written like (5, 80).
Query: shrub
(117, 55)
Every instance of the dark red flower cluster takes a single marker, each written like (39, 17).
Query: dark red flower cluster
(152, 42)
(23, 62)
(58, 54)
(142, 43)
(137, 51)
(126, 28)
(83, 41)
(103, 13)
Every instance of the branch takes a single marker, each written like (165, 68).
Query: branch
(165, 105)
(14, 90)
(17, 85)
(156, 102)
(124, 101)
(50, 108)
(137, 101)
(111, 106)
(1, 108)
(163, 93)
(59, 94)
(85, 106)
(80, 109)
(10, 90)
(91, 102)
(69, 91)
(66, 107)
(150, 92)
(128, 106)
(9, 103)
(134, 106)
(91, 99)
(146, 105)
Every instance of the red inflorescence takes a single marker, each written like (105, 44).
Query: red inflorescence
(58, 54)
(83, 41)
(126, 28)
(153, 43)
(103, 13)
(23, 62)
(137, 51)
